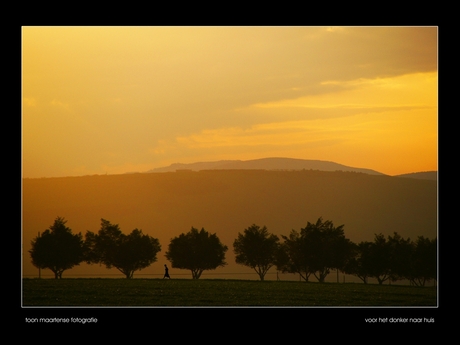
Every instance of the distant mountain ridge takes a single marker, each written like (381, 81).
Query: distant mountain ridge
(273, 163)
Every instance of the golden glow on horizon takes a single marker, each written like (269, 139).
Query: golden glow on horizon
(124, 99)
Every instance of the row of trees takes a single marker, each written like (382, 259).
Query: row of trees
(58, 249)
(315, 250)
(321, 247)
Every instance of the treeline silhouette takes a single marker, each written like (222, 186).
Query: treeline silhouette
(315, 250)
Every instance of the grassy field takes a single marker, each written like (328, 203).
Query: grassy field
(208, 292)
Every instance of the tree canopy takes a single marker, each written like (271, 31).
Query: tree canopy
(127, 253)
(393, 258)
(196, 251)
(57, 248)
(318, 248)
(256, 248)
(424, 261)
(293, 256)
(361, 262)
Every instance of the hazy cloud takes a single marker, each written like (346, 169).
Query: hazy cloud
(130, 88)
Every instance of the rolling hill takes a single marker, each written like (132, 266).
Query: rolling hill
(273, 163)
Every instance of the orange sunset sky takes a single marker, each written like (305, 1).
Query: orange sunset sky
(100, 100)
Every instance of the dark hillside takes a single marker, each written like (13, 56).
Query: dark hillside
(226, 202)
(424, 175)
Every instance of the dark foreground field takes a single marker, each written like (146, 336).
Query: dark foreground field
(184, 292)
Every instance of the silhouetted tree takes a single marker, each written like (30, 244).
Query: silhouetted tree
(389, 258)
(257, 249)
(328, 249)
(127, 253)
(400, 257)
(424, 261)
(394, 258)
(360, 263)
(57, 248)
(379, 256)
(318, 248)
(293, 256)
(196, 251)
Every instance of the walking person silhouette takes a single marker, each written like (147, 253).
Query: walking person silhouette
(166, 273)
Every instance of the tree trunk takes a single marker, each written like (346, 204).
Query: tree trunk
(260, 272)
(321, 276)
(306, 277)
(196, 273)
